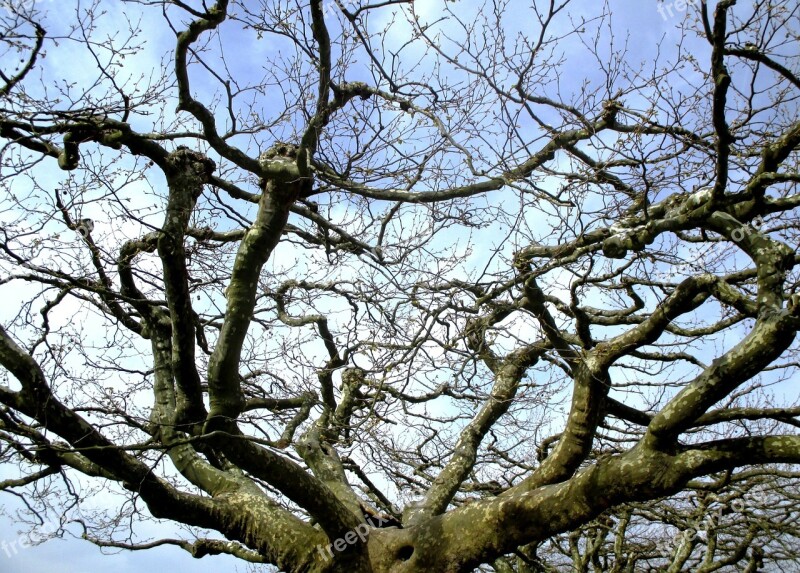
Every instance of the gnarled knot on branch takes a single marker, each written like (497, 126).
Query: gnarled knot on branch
(280, 151)
(279, 166)
(189, 164)
(353, 376)
(610, 109)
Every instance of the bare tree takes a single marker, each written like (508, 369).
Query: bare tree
(741, 521)
(396, 287)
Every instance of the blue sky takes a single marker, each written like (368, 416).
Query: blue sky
(70, 555)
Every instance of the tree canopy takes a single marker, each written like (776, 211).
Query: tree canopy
(398, 287)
